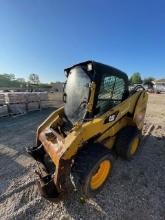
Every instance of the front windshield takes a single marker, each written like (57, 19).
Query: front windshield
(77, 92)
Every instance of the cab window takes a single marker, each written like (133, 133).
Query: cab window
(111, 92)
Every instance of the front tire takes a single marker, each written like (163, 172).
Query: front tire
(91, 169)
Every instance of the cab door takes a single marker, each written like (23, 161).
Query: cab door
(111, 93)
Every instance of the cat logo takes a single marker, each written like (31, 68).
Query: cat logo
(111, 117)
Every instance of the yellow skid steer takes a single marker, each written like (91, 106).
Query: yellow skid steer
(78, 143)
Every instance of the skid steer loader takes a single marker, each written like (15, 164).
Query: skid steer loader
(100, 120)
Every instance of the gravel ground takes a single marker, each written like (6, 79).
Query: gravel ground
(135, 189)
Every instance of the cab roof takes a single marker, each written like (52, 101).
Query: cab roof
(100, 68)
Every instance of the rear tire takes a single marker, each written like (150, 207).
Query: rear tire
(127, 142)
(91, 168)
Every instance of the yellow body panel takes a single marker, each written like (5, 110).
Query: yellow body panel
(97, 127)
(106, 132)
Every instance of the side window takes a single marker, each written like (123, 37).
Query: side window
(106, 87)
(111, 92)
(118, 89)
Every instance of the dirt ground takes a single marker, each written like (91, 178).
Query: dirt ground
(136, 189)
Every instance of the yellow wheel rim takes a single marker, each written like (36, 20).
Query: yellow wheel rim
(101, 174)
(134, 145)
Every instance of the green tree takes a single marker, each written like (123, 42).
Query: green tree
(34, 79)
(8, 80)
(10, 76)
(21, 80)
(135, 78)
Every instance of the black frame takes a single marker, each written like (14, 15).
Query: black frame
(98, 69)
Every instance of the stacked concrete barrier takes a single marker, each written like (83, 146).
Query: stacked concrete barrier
(43, 99)
(43, 96)
(14, 103)
(17, 108)
(3, 110)
(2, 99)
(3, 106)
(15, 97)
(54, 100)
(33, 101)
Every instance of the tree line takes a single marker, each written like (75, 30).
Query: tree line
(136, 79)
(9, 81)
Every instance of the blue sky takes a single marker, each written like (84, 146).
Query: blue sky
(45, 36)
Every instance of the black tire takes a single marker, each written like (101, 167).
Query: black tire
(86, 163)
(124, 141)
